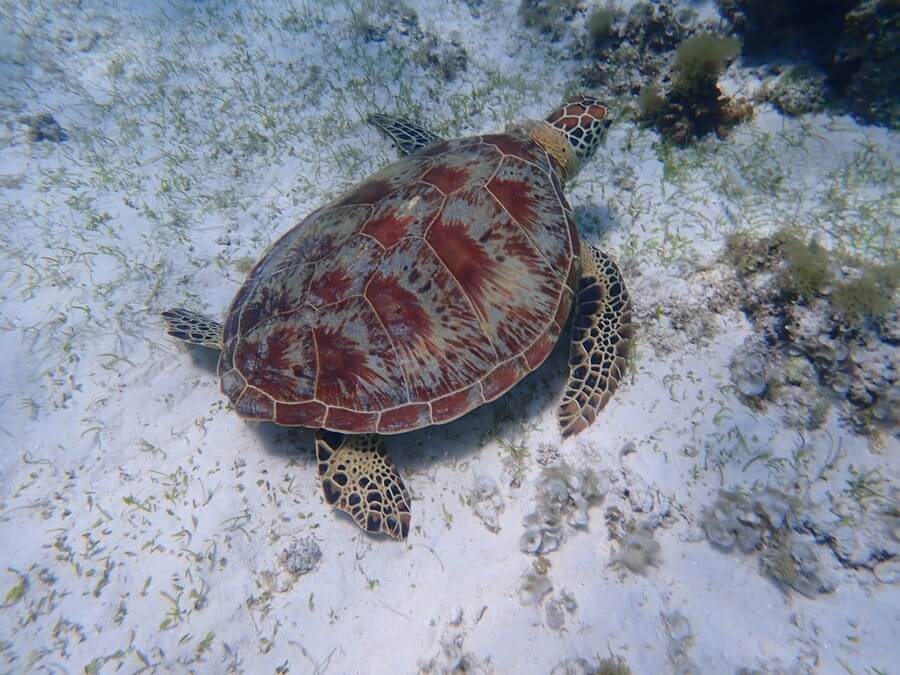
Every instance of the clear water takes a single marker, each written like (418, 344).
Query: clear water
(734, 508)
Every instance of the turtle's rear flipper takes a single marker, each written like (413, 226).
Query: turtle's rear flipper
(193, 327)
(601, 338)
(358, 477)
(406, 135)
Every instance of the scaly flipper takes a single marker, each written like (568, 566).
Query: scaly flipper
(358, 477)
(193, 328)
(408, 136)
(601, 337)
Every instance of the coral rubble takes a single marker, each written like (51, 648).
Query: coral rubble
(398, 26)
(637, 551)
(549, 17)
(564, 496)
(764, 521)
(613, 665)
(302, 556)
(487, 502)
(829, 325)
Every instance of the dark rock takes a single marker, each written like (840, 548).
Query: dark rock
(866, 66)
(44, 127)
(855, 43)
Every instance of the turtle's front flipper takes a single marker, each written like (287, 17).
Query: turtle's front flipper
(601, 337)
(407, 136)
(358, 477)
(194, 328)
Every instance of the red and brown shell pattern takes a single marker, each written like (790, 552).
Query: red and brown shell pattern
(427, 290)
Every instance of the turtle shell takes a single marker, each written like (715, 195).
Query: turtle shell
(428, 289)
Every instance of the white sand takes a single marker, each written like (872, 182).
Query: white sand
(142, 521)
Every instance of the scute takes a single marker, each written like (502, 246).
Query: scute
(358, 368)
(534, 204)
(511, 287)
(439, 340)
(429, 288)
(406, 213)
(344, 274)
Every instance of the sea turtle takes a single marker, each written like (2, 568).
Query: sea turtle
(430, 288)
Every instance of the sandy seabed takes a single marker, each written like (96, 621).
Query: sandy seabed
(145, 527)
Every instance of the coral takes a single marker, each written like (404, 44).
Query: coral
(799, 397)
(656, 26)
(694, 105)
(870, 375)
(868, 294)
(732, 520)
(862, 536)
(763, 520)
(889, 326)
(614, 665)
(888, 571)
(549, 17)
(798, 371)
(820, 309)
(867, 62)
(798, 90)
(736, 518)
(397, 25)
(302, 556)
(853, 362)
(487, 502)
(774, 506)
(448, 58)
(637, 551)
(564, 496)
(793, 564)
(625, 52)
(807, 269)
(600, 25)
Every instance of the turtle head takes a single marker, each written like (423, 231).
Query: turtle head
(584, 121)
(572, 132)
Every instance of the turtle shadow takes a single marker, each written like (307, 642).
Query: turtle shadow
(292, 443)
(204, 358)
(596, 221)
(507, 418)
(421, 453)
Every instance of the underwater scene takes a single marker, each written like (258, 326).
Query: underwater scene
(450, 336)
